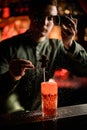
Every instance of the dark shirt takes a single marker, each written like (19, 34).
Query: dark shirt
(27, 90)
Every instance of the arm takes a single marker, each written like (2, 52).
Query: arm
(76, 57)
(11, 70)
(11, 78)
(74, 51)
(7, 84)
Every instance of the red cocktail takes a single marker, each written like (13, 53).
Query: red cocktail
(49, 94)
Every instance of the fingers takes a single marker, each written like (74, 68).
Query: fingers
(67, 31)
(18, 67)
(26, 64)
(21, 63)
(69, 25)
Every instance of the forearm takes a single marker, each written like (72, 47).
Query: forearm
(76, 59)
(7, 84)
(77, 52)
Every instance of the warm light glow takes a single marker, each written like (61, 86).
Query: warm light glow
(62, 73)
(6, 12)
(55, 33)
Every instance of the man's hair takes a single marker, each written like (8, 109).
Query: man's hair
(40, 5)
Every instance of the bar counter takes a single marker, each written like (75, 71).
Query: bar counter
(68, 117)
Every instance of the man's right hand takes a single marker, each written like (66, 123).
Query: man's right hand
(17, 68)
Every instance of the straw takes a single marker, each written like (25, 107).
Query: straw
(44, 61)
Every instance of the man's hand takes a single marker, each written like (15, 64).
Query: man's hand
(17, 68)
(68, 30)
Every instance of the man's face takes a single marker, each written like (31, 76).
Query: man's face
(42, 23)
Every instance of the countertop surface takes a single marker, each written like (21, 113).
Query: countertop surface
(75, 115)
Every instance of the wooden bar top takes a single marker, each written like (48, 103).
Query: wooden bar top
(75, 115)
